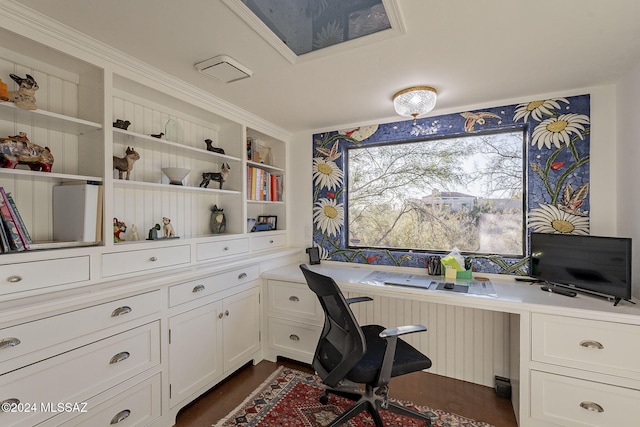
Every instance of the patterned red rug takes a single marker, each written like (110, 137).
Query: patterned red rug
(289, 398)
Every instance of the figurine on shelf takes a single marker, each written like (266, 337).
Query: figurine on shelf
(18, 150)
(218, 222)
(157, 135)
(121, 124)
(4, 92)
(219, 177)
(210, 147)
(134, 233)
(153, 232)
(125, 164)
(167, 228)
(24, 97)
(119, 227)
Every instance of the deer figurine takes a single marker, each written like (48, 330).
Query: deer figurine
(125, 164)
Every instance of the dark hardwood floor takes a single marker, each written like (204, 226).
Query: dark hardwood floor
(460, 397)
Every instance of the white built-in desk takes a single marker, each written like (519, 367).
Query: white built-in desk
(571, 361)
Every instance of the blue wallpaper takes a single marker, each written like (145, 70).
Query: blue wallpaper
(558, 140)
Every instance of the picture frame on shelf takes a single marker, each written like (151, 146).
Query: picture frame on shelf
(265, 223)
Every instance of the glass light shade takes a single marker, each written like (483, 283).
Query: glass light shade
(415, 101)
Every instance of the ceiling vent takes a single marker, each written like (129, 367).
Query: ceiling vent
(224, 68)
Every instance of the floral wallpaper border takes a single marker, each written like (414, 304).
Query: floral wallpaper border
(558, 135)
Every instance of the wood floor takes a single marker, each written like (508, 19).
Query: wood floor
(460, 397)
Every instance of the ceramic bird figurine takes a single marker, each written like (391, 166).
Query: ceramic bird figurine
(473, 118)
(157, 135)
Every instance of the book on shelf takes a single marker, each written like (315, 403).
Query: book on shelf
(11, 226)
(263, 185)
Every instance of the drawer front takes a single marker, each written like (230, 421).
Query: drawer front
(26, 276)
(190, 291)
(294, 337)
(593, 345)
(139, 405)
(80, 374)
(26, 338)
(294, 299)
(569, 401)
(211, 250)
(117, 263)
(259, 243)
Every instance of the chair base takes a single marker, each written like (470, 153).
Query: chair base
(371, 402)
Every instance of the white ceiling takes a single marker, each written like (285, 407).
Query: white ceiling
(472, 51)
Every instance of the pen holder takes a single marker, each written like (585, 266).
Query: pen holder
(450, 273)
(465, 274)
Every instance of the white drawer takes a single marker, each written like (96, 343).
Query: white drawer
(27, 338)
(117, 263)
(569, 401)
(294, 299)
(138, 405)
(189, 291)
(221, 248)
(259, 243)
(593, 345)
(25, 276)
(80, 374)
(294, 337)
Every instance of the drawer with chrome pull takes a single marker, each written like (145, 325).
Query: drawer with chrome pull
(118, 263)
(294, 300)
(220, 248)
(592, 345)
(56, 332)
(270, 241)
(25, 276)
(192, 290)
(78, 375)
(287, 336)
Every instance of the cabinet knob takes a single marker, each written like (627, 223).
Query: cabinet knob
(271, 241)
(9, 342)
(242, 276)
(226, 312)
(153, 259)
(294, 298)
(220, 316)
(14, 279)
(124, 355)
(8, 404)
(591, 344)
(591, 406)
(121, 310)
(226, 248)
(294, 337)
(198, 288)
(120, 416)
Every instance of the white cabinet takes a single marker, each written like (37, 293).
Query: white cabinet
(241, 328)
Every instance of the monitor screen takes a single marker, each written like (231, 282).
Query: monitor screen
(596, 264)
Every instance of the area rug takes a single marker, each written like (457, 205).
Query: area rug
(289, 398)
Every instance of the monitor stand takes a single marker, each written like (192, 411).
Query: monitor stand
(617, 300)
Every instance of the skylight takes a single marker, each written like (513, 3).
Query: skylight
(300, 27)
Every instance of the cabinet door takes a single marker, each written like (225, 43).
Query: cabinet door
(241, 328)
(195, 357)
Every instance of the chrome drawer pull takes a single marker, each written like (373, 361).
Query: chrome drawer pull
(294, 298)
(14, 279)
(153, 259)
(124, 355)
(591, 344)
(8, 404)
(242, 276)
(590, 406)
(121, 310)
(198, 288)
(9, 342)
(294, 337)
(120, 416)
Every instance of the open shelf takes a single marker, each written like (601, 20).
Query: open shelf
(46, 119)
(179, 188)
(46, 176)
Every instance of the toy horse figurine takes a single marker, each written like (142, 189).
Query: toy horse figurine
(219, 177)
(125, 164)
(24, 97)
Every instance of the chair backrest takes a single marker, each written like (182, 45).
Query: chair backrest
(342, 343)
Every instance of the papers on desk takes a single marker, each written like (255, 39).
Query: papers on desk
(469, 286)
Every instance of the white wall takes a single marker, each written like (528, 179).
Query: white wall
(627, 168)
(604, 204)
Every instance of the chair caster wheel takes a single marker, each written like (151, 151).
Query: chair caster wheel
(324, 399)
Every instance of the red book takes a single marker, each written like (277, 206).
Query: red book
(13, 234)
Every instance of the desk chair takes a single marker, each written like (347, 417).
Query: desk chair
(348, 354)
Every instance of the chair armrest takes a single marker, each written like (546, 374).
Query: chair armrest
(358, 299)
(401, 330)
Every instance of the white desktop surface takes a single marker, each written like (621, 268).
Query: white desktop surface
(512, 296)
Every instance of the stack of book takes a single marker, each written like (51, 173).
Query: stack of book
(14, 236)
(263, 186)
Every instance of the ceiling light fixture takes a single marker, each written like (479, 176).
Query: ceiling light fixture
(224, 68)
(415, 101)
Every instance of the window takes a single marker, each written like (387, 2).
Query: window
(437, 194)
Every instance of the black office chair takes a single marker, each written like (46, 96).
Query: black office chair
(348, 354)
